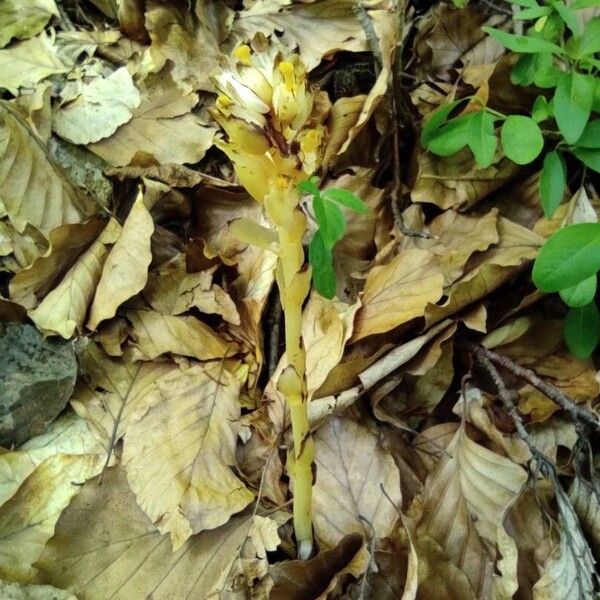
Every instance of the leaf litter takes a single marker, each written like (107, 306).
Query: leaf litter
(444, 467)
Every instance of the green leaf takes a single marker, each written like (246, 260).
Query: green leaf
(435, 121)
(346, 198)
(553, 180)
(581, 4)
(541, 109)
(568, 257)
(522, 139)
(320, 257)
(590, 138)
(524, 44)
(532, 13)
(545, 72)
(582, 330)
(589, 42)
(331, 220)
(451, 137)
(573, 104)
(524, 71)
(482, 140)
(526, 3)
(580, 294)
(590, 158)
(310, 186)
(567, 15)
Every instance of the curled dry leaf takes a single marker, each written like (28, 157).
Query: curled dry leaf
(398, 292)
(351, 470)
(63, 310)
(179, 454)
(130, 559)
(125, 269)
(35, 190)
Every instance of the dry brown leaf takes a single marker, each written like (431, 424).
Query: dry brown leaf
(26, 63)
(318, 577)
(125, 270)
(398, 292)
(130, 559)
(326, 327)
(171, 290)
(176, 37)
(115, 393)
(157, 334)
(24, 20)
(306, 25)
(65, 244)
(465, 501)
(64, 309)
(35, 190)
(162, 127)
(584, 497)
(456, 181)
(179, 454)
(14, 591)
(36, 484)
(569, 573)
(351, 470)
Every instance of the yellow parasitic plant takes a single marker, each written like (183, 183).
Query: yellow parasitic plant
(275, 135)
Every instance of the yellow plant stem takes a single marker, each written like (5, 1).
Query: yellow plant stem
(293, 280)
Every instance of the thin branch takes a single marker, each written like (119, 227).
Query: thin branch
(576, 412)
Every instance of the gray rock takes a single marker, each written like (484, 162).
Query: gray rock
(37, 377)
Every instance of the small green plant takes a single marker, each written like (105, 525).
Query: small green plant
(558, 55)
(332, 227)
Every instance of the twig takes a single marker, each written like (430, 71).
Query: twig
(576, 412)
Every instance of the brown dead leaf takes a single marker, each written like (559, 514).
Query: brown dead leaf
(351, 470)
(465, 501)
(179, 454)
(130, 558)
(163, 127)
(157, 334)
(398, 292)
(125, 270)
(35, 190)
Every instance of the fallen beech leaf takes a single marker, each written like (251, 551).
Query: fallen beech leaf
(465, 500)
(130, 559)
(326, 327)
(125, 270)
(306, 25)
(171, 290)
(93, 110)
(66, 243)
(456, 181)
(178, 455)
(398, 292)
(35, 190)
(26, 63)
(28, 518)
(162, 126)
(158, 334)
(63, 310)
(24, 20)
(118, 391)
(14, 591)
(586, 503)
(569, 573)
(347, 496)
(318, 577)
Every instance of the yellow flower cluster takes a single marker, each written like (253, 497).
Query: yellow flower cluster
(274, 122)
